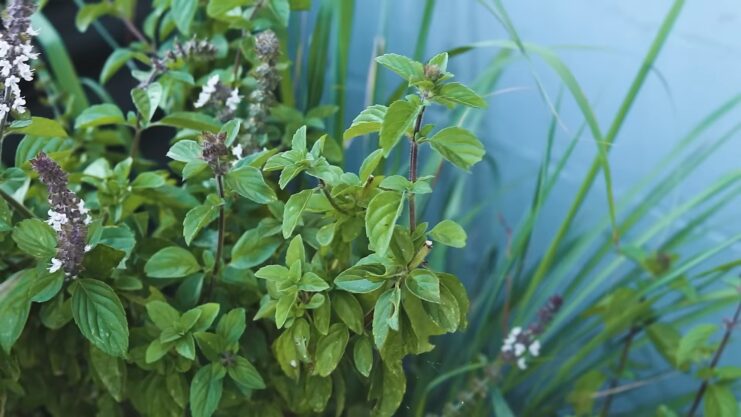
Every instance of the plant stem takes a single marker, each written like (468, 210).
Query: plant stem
(135, 142)
(331, 200)
(18, 207)
(220, 241)
(135, 31)
(414, 149)
(716, 358)
(3, 122)
(621, 366)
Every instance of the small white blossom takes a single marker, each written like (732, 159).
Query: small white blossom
(56, 220)
(535, 348)
(520, 349)
(56, 264)
(207, 91)
(237, 151)
(32, 32)
(233, 101)
(521, 363)
(88, 248)
(294, 363)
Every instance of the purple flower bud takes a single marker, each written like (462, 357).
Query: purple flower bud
(67, 216)
(215, 152)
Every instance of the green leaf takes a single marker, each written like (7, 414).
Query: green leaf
(30, 146)
(357, 279)
(370, 164)
(284, 307)
(399, 118)
(459, 146)
(200, 216)
(407, 68)
(111, 371)
(15, 304)
(298, 142)
(171, 262)
(295, 206)
(185, 151)
(232, 325)
(100, 316)
(312, 282)
(330, 349)
(98, 115)
(368, 121)
(162, 314)
(693, 342)
(385, 316)
(183, 12)
(101, 260)
(245, 375)
(191, 120)
(206, 389)
(348, 309)
(248, 182)
(363, 355)
(35, 238)
(91, 12)
(720, 402)
(383, 212)
(459, 93)
(116, 61)
(209, 311)
(665, 339)
(275, 273)
(282, 11)
(390, 393)
(40, 126)
(147, 99)
(424, 284)
(449, 233)
(252, 249)
(148, 180)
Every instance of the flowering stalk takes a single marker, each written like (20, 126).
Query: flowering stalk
(219, 95)
(519, 344)
(16, 51)
(215, 153)
(180, 51)
(67, 216)
(267, 48)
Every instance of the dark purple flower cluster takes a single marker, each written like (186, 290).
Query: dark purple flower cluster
(215, 152)
(67, 216)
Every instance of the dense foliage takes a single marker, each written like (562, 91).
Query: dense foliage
(261, 279)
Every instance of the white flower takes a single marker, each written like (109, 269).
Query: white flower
(520, 349)
(207, 91)
(233, 101)
(535, 348)
(4, 109)
(237, 151)
(4, 48)
(56, 264)
(88, 247)
(32, 32)
(56, 220)
(19, 104)
(521, 363)
(294, 363)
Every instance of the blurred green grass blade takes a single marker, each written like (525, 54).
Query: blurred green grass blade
(61, 65)
(656, 46)
(344, 20)
(286, 79)
(97, 89)
(319, 53)
(424, 30)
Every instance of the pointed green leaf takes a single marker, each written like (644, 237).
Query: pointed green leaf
(100, 316)
(399, 118)
(459, 146)
(383, 212)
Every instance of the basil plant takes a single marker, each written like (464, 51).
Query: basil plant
(249, 274)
